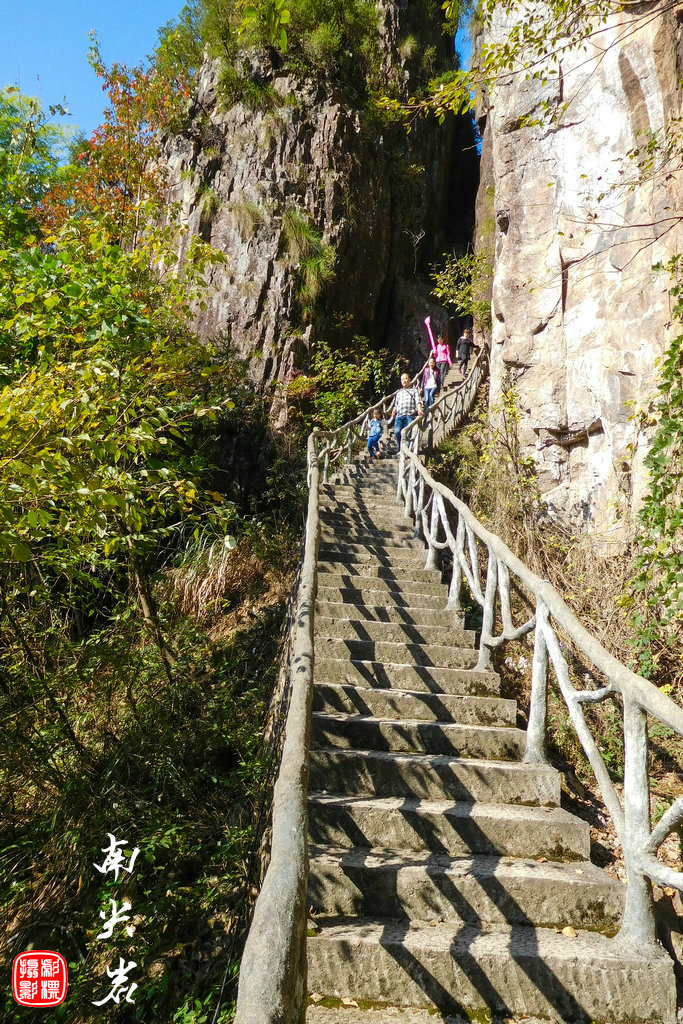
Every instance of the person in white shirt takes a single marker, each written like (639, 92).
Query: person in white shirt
(430, 382)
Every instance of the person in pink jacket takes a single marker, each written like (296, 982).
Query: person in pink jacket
(443, 358)
(440, 351)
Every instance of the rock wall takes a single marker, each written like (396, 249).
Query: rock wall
(580, 315)
(380, 197)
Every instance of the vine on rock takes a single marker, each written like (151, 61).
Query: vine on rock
(656, 591)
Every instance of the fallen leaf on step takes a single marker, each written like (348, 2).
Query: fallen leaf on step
(542, 860)
(316, 997)
(349, 1002)
(569, 932)
(578, 871)
(432, 924)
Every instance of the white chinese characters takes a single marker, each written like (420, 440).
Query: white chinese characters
(116, 916)
(119, 979)
(114, 861)
(114, 857)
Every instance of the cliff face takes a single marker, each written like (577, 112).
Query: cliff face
(241, 178)
(579, 313)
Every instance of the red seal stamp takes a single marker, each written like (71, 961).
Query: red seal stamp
(39, 978)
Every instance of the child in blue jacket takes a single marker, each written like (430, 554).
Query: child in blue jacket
(375, 428)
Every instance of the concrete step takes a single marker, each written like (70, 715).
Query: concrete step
(369, 537)
(385, 611)
(407, 677)
(393, 574)
(432, 707)
(430, 584)
(374, 475)
(377, 601)
(341, 1014)
(384, 519)
(427, 886)
(366, 521)
(375, 546)
(385, 773)
(393, 632)
(503, 970)
(346, 528)
(359, 732)
(457, 830)
(364, 490)
(389, 558)
(396, 653)
(345, 500)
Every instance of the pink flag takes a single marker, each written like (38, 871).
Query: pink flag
(428, 325)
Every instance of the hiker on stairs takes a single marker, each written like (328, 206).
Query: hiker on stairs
(407, 405)
(430, 382)
(465, 346)
(441, 352)
(375, 427)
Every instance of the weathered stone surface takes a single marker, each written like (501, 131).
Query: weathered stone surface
(370, 733)
(431, 776)
(416, 706)
(520, 970)
(377, 601)
(386, 612)
(355, 628)
(429, 887)
(579, 314)
(444, 827)
(406, 677)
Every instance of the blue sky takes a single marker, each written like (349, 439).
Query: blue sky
(43, 47)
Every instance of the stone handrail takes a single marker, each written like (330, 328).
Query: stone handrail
(432, 505)
(272, 986)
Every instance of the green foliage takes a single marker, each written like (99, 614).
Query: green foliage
(323, 37)
(314, 259)
(210, 199)
(465, 283)
(269, 17)
(30, 147)
(116, 483)
(248, 215)
(455, 14)
(235, 85)
(655, 594)
(342, 383)
(336, 37)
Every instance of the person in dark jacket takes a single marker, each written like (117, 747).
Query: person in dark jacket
(464, 346)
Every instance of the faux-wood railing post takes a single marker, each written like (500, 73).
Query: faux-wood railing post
(418, 531)
(484, 662)
(455, 589)
(538, 710)
(638, 926)
(433, 530)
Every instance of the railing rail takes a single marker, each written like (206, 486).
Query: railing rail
(447, 524)
(272, 986)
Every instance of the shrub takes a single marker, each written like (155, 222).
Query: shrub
(314, 258)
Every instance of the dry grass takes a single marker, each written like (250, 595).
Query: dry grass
(213, 578)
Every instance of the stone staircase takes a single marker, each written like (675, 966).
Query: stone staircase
(442, 868)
